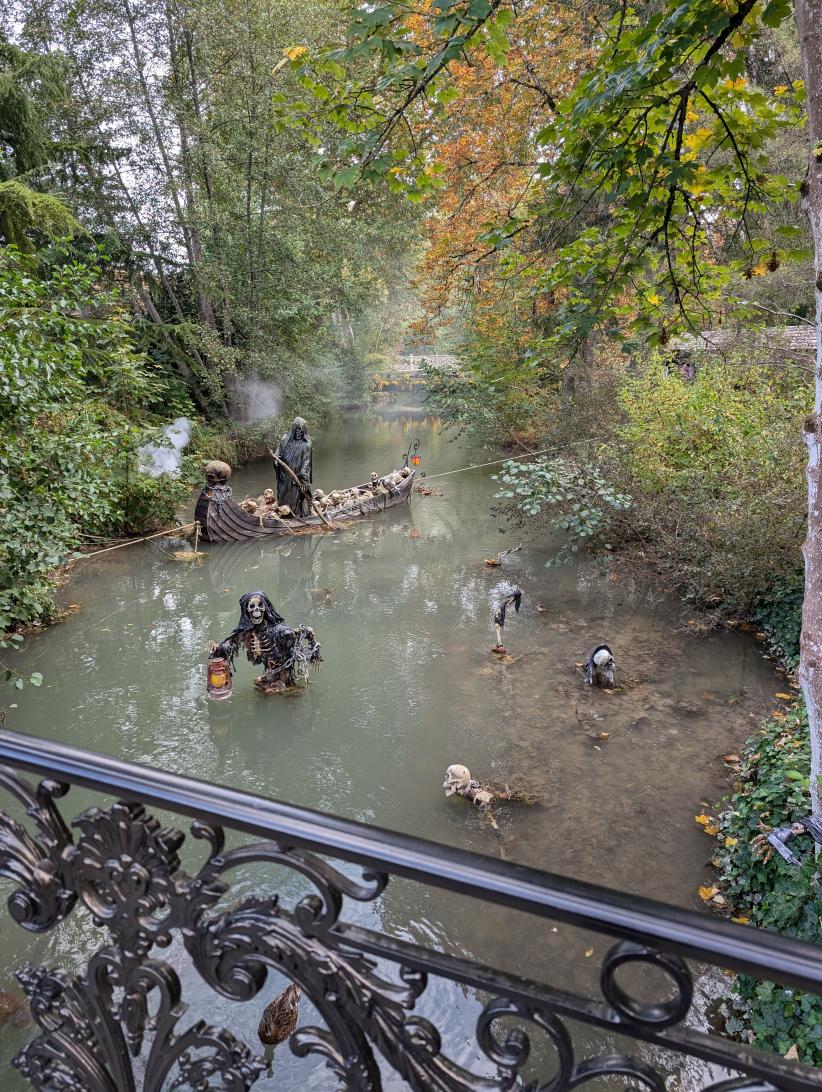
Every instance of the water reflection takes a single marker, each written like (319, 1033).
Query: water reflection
(408, 687)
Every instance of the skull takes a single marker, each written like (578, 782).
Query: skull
(217, 472)
(457, 779)
(268, 496)
(256, 609)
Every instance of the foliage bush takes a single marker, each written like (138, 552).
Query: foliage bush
(75, 400)
(581, 503)
(779, 612)
(772, 791)
(717, 467)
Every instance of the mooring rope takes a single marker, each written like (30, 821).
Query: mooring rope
(494, 462)
(428, 478)
(145, 538)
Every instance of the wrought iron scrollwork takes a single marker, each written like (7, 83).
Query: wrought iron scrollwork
(120, 1026)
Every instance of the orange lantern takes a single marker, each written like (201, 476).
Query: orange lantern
(218, 679)
(416, 460)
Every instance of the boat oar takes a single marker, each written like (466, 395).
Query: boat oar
(305, 492)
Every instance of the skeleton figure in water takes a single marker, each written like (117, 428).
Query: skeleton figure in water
(599, 667)
(283, 652)
(482, 794)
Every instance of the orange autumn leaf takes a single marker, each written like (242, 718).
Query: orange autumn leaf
(707, 893)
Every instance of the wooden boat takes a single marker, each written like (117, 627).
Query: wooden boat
(223, 520)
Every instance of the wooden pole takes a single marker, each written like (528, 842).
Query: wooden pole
(279, 462)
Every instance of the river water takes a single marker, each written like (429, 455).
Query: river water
(402, 605)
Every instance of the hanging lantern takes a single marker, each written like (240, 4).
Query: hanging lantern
(414, 445)
(218, 681)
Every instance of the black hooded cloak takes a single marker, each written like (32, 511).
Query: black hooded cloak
(295, 450)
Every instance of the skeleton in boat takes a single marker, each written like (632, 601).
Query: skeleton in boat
(224, 520)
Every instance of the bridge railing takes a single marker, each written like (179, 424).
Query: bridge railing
(125, 868)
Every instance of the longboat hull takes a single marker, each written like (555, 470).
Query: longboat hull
(222, 520)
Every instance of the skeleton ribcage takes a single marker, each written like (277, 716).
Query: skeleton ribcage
(258, 645)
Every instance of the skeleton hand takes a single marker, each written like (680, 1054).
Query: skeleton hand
(761, 848)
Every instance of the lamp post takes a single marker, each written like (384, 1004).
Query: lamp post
(413, 448)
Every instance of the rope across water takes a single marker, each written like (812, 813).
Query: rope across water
(494, 462)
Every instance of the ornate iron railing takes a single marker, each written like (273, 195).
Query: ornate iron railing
(125, 868)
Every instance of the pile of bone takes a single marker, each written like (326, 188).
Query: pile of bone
(341, 499)
(265, 505)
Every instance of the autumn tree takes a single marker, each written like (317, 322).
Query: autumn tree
(653, 178)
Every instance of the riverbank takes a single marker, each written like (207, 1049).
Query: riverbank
(756, 886)
(700, 481)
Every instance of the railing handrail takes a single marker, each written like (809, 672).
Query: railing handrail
(521, 887)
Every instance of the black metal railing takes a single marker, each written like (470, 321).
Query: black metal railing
(125, 868)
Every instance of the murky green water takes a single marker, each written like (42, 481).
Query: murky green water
(402, 606)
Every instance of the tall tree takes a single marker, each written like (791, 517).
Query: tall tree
(809, 24)
(664, 139)
(238, 254)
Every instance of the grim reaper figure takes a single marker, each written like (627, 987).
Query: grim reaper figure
(294, 449)
(284, 653)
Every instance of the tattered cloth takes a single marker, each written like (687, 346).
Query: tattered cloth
(295, 451)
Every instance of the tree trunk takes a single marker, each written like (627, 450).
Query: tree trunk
(809, 24)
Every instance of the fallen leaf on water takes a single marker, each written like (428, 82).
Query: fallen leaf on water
(730, 758)
(703, 820)
(603, 735)
(792, 1054)
(779, 716)
(741, 920)
(707, 893)
(579, 665)
(589, 953)
(785, 697)
(707, 694)
(711, 829)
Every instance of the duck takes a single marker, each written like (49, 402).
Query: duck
(493, 562)
(280, 1017)
(13, 1010)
